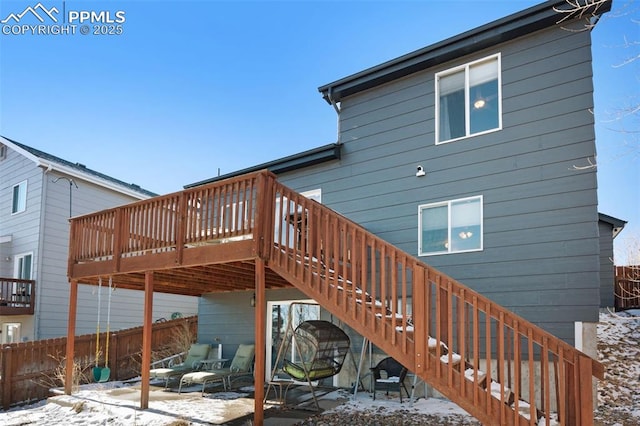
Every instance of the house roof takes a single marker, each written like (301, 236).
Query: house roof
(499, 31)
(292, 162)
(77, 170)
(617, 224)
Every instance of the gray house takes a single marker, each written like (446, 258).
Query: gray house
(464, 154)
(451, 225)
(609, 227)
(38, 195)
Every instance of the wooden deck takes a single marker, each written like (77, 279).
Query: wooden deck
(251, 232)
(197, 241)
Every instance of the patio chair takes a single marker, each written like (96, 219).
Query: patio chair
(241, 365)
(389, 374)
(197, 352)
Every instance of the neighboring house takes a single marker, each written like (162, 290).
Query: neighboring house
(463, 157)
(38, 194)
(465, 154)
(609, 228)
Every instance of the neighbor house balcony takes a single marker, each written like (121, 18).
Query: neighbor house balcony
(17, 297)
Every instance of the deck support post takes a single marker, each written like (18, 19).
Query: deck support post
(421, 340)
(71, 337)
(147, 331)
(260, 336)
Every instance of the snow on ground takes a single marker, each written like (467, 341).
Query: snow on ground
(619, 351)
(117, 403)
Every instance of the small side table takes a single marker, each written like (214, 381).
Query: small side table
(280, 387)
(210, 364)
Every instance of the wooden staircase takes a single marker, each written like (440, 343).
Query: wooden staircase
(496, 365)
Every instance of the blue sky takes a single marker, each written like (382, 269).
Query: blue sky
(190, 87)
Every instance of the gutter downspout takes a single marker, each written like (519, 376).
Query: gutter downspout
(337, 108)
(39, 276)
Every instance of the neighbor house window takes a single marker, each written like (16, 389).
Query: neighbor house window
(23, 266)
(19, 198)
(468, 100)
(450, 226)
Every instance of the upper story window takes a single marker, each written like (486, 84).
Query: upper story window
(23, 266)
(450, 226)
(19, 203)
(468, 100)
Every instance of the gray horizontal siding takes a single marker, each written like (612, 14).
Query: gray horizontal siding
(541, 245)
(228, 317)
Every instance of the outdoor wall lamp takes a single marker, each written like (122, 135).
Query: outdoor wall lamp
(420, 172)
(252, 302)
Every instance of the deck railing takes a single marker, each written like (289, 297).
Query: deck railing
(202, 215)
(17, 297)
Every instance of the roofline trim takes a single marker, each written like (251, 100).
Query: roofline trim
(617, 224)
(504, 29)
(297, 161)
(49, 166)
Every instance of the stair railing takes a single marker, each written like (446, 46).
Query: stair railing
(490, 361)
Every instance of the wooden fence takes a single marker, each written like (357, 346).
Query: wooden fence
(627, 288)
(29, 370)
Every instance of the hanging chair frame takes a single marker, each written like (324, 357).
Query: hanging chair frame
(285, 344)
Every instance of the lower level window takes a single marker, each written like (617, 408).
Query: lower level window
(450, 226)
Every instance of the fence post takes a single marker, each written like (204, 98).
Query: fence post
(7, 376)
(113, 355)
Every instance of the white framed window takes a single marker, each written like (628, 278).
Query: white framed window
(23, 266)
(3, 152)
(469, 100)
(314, 194)
(453, 226)
(19, 201)
(11, 332)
